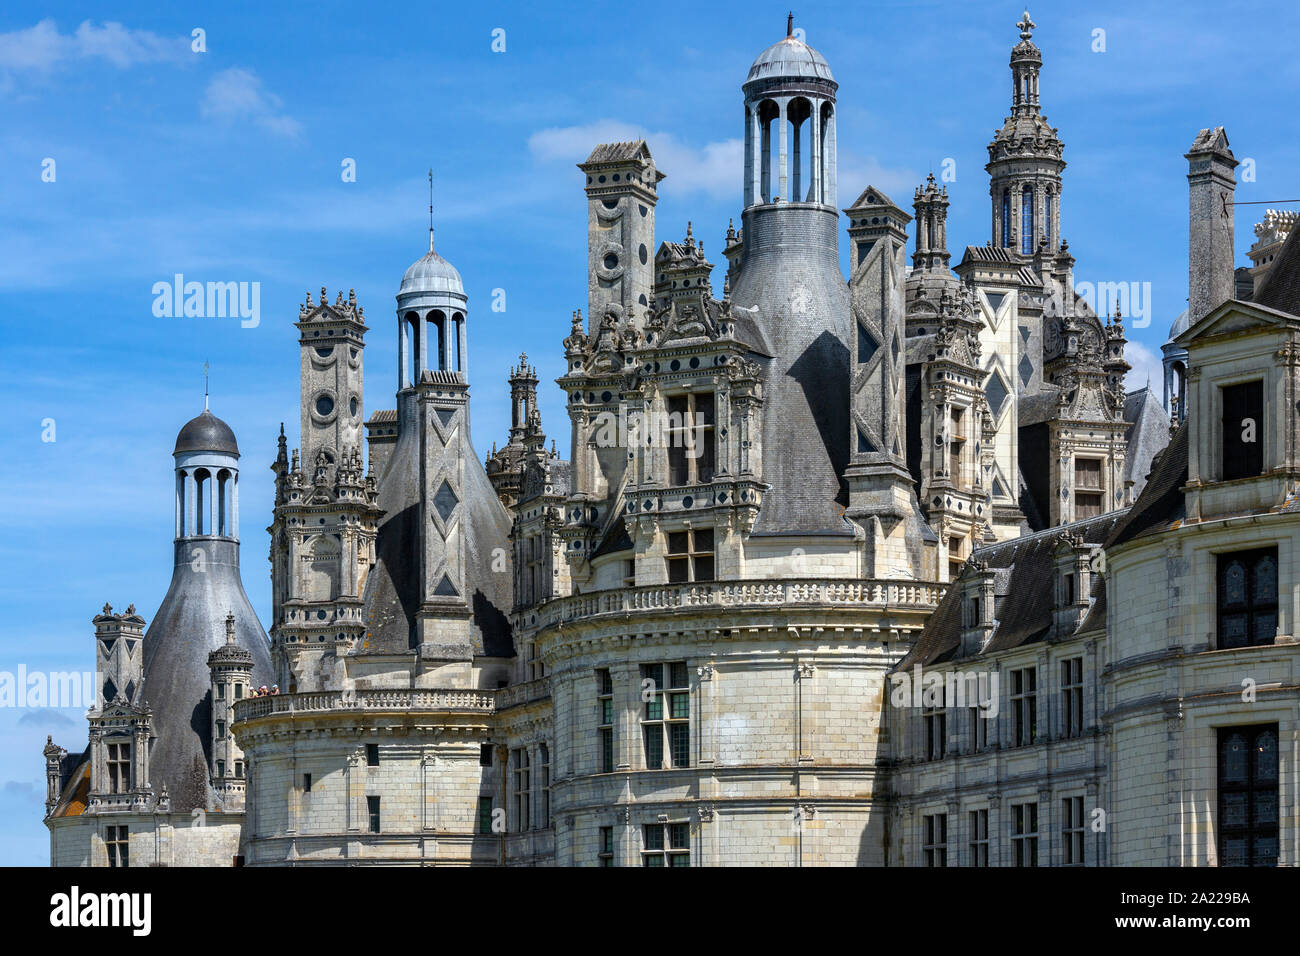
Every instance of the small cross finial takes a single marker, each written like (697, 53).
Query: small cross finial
(1026, 26)
(789, 24)
(205, 386)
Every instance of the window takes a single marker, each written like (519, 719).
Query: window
(667, 844)
(1088, 487)
(533, 666)
(306, 783)
(979, 837)
(221, 692)
(1072, 697)
(936, 840)
(1243, 430)
(372, 811)
(1072, 831)
(1024, 834)
(1067, 589)
(956, 444)
(221, 730)
(690, 555)
(1248, 796)
(239, 769)
(955, 560)
(239, 692)
(485, 755)
(606, 854)
(119, 768)
(1027, 221)
(545, 753)
(523, 790)
(692, 452)
(979, 729)
(372, 755)
(485, 815)
(629, 573)
(666, 726)
(1247, 597)
(605, 718)
(936, 731)
(1006, 218)
(1024, 706)
(117, 842)
(221, 768)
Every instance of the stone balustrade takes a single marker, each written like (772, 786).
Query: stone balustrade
(395, 700)
(900, 595)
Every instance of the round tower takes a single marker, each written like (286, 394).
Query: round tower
(205, 588)
(790, 284)
(1025, 163)
(431, 310)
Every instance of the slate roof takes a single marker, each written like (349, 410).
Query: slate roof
(1280, 287)
(1161, 502)
(1147, 436)
(1024, 586)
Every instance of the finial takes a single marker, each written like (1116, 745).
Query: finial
(1026, 26)
(789, 24)
(230, 627)
(130, 609)
(431, 209)
(108, 608)
(205, 386)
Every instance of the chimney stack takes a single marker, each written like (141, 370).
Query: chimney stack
(1211, 178)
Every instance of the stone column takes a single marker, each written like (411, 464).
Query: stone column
(783, 122)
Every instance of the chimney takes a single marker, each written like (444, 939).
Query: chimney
(1211, 179)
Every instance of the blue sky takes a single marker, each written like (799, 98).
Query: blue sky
(225, 165)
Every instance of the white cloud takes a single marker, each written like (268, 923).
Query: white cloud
(1147, 366)
(41, 48)
(714, 168)
(236, 95)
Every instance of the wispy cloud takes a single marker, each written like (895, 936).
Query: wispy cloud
(713, 168)
(1147, 368)
(237, 95)
(42, 48)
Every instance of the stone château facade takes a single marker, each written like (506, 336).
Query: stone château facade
(681, 645)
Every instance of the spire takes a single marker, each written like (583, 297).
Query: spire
(205, 386)
(230, 627)
(789, 23)
(431, 209)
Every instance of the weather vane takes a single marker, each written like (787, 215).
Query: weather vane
(431, 209)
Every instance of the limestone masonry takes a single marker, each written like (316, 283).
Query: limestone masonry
(890, 571)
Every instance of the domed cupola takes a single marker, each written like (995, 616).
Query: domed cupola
(431, 309)
(206, 432)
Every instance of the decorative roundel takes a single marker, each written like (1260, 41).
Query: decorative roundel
(609, 261)
(324, 405)
(642, 254)
(642, 209)
(674, 365)
(354, 406)
(606, 396)
(695, 362)
(687, 501)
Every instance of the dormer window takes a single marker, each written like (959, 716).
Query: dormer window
(1243, 430)
(1087, 488)
(692, 454)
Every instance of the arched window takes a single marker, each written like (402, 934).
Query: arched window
(1047, 219)
(410, 349)
(224, 484)
(438, 320)
(202, 502)
(1006, 218)
(799, 113)
(458, 342)
(1027, 221)
(769, 147)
